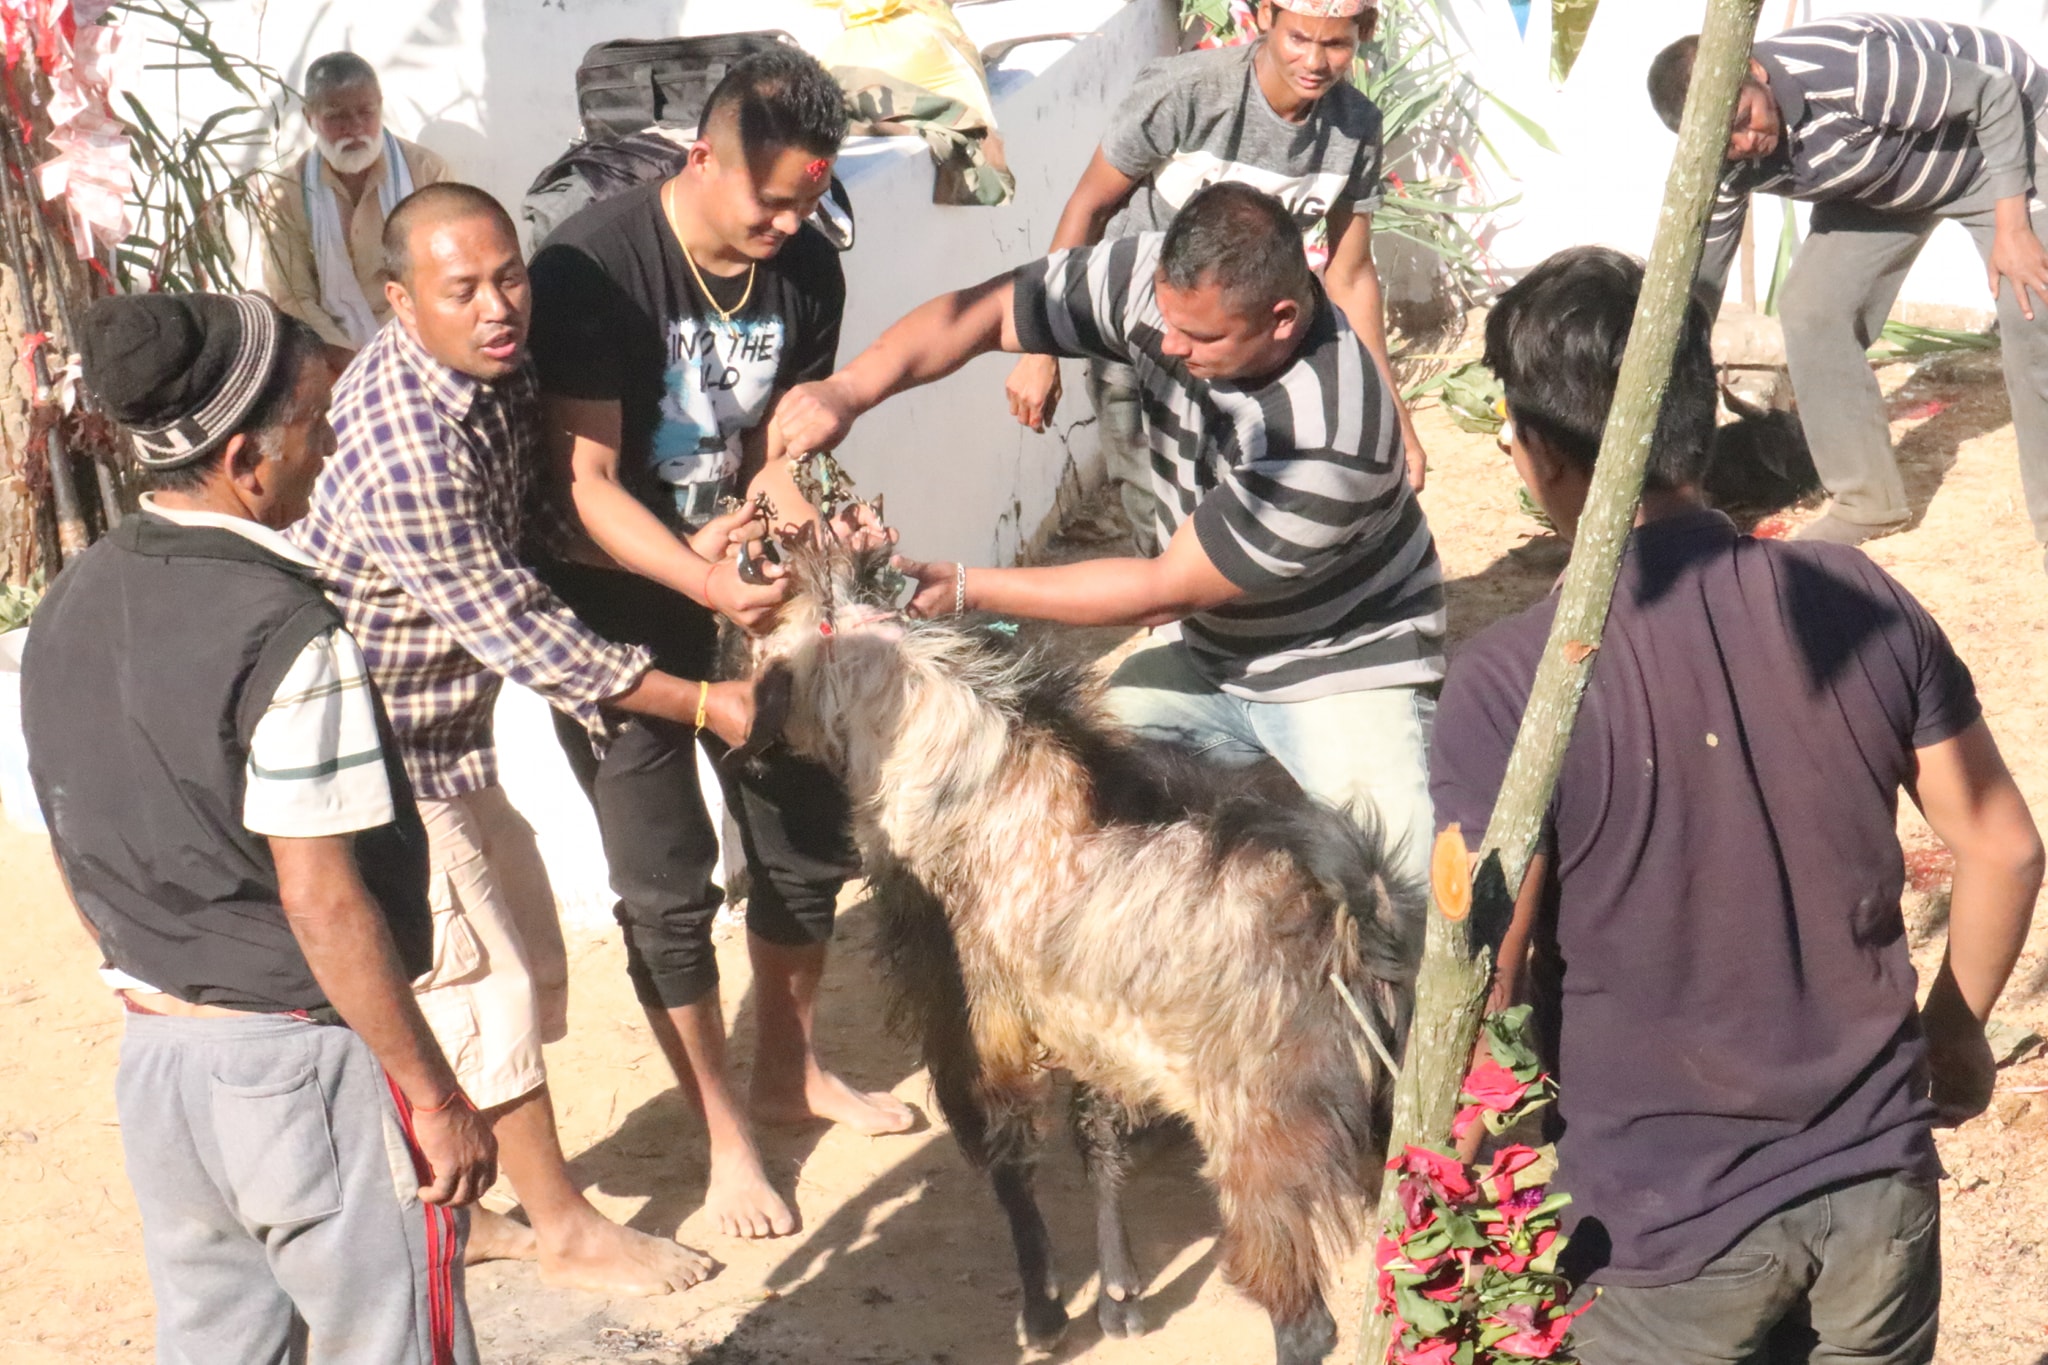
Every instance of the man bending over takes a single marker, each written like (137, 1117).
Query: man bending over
(1889, 126)
(1300, 566)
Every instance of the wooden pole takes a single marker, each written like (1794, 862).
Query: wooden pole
(1457, 958)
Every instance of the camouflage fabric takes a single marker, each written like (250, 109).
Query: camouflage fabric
(968, 153)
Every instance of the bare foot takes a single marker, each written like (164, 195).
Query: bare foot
(494, 1237)
(827, 1097)
(742, 1202)
(599, 1255)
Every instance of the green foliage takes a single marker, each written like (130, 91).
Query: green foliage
(1471, 394)
(17, 602)
(194, 183)
(1903, 341)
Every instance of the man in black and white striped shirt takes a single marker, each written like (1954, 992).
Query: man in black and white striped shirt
(1297, 560)
(1888, 124)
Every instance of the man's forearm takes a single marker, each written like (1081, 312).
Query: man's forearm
(1101, 592)
(928, 343)
(624, 529)
(346, 943)
(1082, 223)
(1991, 907)
(1364, 308)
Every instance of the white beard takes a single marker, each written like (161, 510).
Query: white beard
(351, 161)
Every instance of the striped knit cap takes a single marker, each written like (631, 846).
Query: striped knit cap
(1328, 9)
(179, 371)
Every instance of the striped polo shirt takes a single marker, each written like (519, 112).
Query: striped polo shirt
(1890, 111)
(1297, 486)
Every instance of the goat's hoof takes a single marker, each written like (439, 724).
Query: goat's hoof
(1041, 1325)
(1120, 1317)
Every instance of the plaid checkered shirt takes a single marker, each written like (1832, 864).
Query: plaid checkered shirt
(418, 526)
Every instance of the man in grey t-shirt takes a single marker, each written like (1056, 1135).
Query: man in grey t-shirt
(1280, 115)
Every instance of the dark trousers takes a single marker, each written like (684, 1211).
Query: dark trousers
(659, 842)
(1850, 1274)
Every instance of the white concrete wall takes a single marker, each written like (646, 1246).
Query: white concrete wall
(1605, 184)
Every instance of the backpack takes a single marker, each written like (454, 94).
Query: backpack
(602, 167)
(631, 83)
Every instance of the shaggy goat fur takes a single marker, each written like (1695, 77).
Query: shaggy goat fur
(1054, 893)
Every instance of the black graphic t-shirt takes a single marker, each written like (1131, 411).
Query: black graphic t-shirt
(618, 315)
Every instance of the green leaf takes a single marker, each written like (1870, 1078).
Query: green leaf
(1426, 1317)
(1531, 129)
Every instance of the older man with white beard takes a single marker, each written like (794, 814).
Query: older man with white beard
(324, 237)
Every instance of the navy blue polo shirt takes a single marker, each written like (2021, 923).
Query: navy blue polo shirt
(1735, 999)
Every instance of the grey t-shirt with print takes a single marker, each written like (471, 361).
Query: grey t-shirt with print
(1199, 118)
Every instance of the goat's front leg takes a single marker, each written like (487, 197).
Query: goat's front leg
(1305, 1340)
(1043, 1319)
(1101, 1134)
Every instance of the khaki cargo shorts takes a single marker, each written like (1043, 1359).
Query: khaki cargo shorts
(499, 986)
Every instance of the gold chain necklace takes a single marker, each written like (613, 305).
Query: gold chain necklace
(725, 315)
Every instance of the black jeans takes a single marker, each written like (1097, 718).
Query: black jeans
(1850, 1274)
(659, 842)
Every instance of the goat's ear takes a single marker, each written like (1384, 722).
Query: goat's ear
(774, 690)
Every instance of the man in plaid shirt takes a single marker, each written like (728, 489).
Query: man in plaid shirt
(418, 525)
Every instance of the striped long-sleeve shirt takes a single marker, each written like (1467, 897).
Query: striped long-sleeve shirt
(1297, 487)
(1890, 111)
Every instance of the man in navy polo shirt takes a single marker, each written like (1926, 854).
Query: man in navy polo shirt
(1747, 1089)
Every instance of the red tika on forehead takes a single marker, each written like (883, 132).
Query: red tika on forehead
(818, 168)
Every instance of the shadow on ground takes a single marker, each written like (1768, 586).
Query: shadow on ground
(917, 1266)
(1970, 389)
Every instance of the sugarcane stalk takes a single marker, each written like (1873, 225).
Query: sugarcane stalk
(1457, 959)
(71, 533)
(103, 471)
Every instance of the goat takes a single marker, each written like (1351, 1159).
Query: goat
(1055, 893)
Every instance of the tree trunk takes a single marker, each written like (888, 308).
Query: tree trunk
(1457, 961)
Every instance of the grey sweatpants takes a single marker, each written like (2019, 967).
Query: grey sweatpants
(280, 1210)
(1842, 285)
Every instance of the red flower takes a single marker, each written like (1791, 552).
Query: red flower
(1503, 1256)
(1462, 1124)
(1540, 1341)
(1445, 1175)
(1494, 1087)
(1506, 1164)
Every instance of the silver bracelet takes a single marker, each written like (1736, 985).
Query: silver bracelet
(959, 588)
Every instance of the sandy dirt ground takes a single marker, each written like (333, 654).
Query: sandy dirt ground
(902, 1258)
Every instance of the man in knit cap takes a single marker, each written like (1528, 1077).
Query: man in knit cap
(240, 840)
(1279, 114)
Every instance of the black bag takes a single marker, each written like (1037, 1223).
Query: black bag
(598, 169)
(629, 83)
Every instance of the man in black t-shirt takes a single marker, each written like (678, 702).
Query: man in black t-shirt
(667, 321)
(1746, 1085)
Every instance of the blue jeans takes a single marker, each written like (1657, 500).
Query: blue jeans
(1365, 752)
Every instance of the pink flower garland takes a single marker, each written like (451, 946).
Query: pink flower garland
(1470, 1275)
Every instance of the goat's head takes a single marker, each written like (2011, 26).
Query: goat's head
(831, 673)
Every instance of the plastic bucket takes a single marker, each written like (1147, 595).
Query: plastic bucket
(17, 793)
